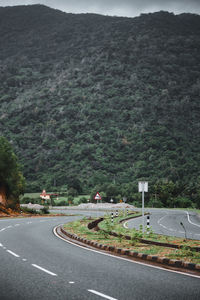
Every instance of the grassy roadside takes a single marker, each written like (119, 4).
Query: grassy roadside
(80, 228)
(118, 228)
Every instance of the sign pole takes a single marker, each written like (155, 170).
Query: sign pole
(143, 209)
(143, 187)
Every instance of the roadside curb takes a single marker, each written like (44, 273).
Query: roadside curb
(119, 251)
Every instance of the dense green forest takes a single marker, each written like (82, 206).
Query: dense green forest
(96, 103)
(12, 183)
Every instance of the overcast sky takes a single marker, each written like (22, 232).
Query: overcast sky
(129, 8)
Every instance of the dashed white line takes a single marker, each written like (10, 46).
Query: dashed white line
(17, 225)
(71, 282)
(44, 270)
(2, 229)
(102, 295)
(13, 253)
(1, 245)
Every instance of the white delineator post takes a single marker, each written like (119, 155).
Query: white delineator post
(148, 224)
(112, 217)
(143, 187)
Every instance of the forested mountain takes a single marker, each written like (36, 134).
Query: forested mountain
(89, 99)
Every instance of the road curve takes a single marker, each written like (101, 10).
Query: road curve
(168, 222)
(35, 264)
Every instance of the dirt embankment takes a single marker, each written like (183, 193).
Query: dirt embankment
(8, 212)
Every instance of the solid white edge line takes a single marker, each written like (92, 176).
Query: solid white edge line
(190, 220)
(14, 254)
(44, 270)
(122, 258)
(102, 295)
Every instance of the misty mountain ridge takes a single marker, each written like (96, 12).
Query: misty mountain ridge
(96, 99)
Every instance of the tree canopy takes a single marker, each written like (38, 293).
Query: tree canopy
(10, 175)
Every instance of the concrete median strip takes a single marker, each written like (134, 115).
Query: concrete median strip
(125, 252)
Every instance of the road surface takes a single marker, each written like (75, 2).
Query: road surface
(35, 264)
(168, 222)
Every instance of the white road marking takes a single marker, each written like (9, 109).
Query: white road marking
(188, 216)
(1, 245)
(24, 259)
(122, 258)
(170, 229)
(102, 295)
(44, 270)
(125, 225)
(161, 219)
(71, 282)
(165, 227)
(13, 253)
(9, 226)
(2, 229)
(17, 225)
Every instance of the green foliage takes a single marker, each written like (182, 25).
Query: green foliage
(11, 177)
(62, 203)
(29, 210)
(45, 210)
(94, 100)
(26, 200)
(136, 235)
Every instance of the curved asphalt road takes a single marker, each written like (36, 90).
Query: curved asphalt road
(167, 222)
(35, 264)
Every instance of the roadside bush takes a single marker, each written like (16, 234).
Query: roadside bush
(62, 203)
(136, 235)
(76, 201)
(45, 210)
(29, 210)
(70, 199)
(26, 200)
(183, 202)
(83, 200)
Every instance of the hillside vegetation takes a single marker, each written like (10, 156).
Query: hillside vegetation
(96, 102)
(12, 182)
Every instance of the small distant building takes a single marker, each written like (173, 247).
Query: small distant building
(46, 196)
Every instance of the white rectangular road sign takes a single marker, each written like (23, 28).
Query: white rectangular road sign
(143, 186)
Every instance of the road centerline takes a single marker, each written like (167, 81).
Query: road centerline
(12, 253)
(101, 295)
(44, 270)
